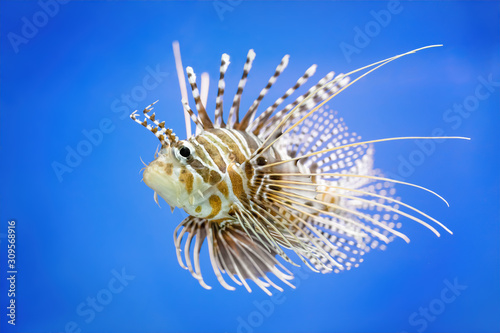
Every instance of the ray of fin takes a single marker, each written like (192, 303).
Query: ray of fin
(253, 108)
(362, 143)
(373, 202)
(279, 182)
(202, 113)
(194, 118)
(258, 123)
(282, 196)
(280, 114)
(330, 175)
(182, 83)
(234, 112)
(204, 86)
(377, 65)
(219, 114)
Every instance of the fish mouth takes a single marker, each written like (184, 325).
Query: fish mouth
(166, 186)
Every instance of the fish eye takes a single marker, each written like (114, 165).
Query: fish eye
(185, 152)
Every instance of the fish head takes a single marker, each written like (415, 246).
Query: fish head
(177, 174)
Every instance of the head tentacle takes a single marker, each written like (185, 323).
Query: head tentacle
(166, 136)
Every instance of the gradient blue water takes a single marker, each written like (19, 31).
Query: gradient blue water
(74, 234)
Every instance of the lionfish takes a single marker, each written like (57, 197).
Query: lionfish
(293, 181)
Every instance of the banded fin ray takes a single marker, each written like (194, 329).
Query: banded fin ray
(253, 108)
(232, 252)
(219, 112)
(234, 113)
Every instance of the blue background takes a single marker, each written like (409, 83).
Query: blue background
(74, 231)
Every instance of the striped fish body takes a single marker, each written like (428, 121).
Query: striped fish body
(217, 177)
(293, 183)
